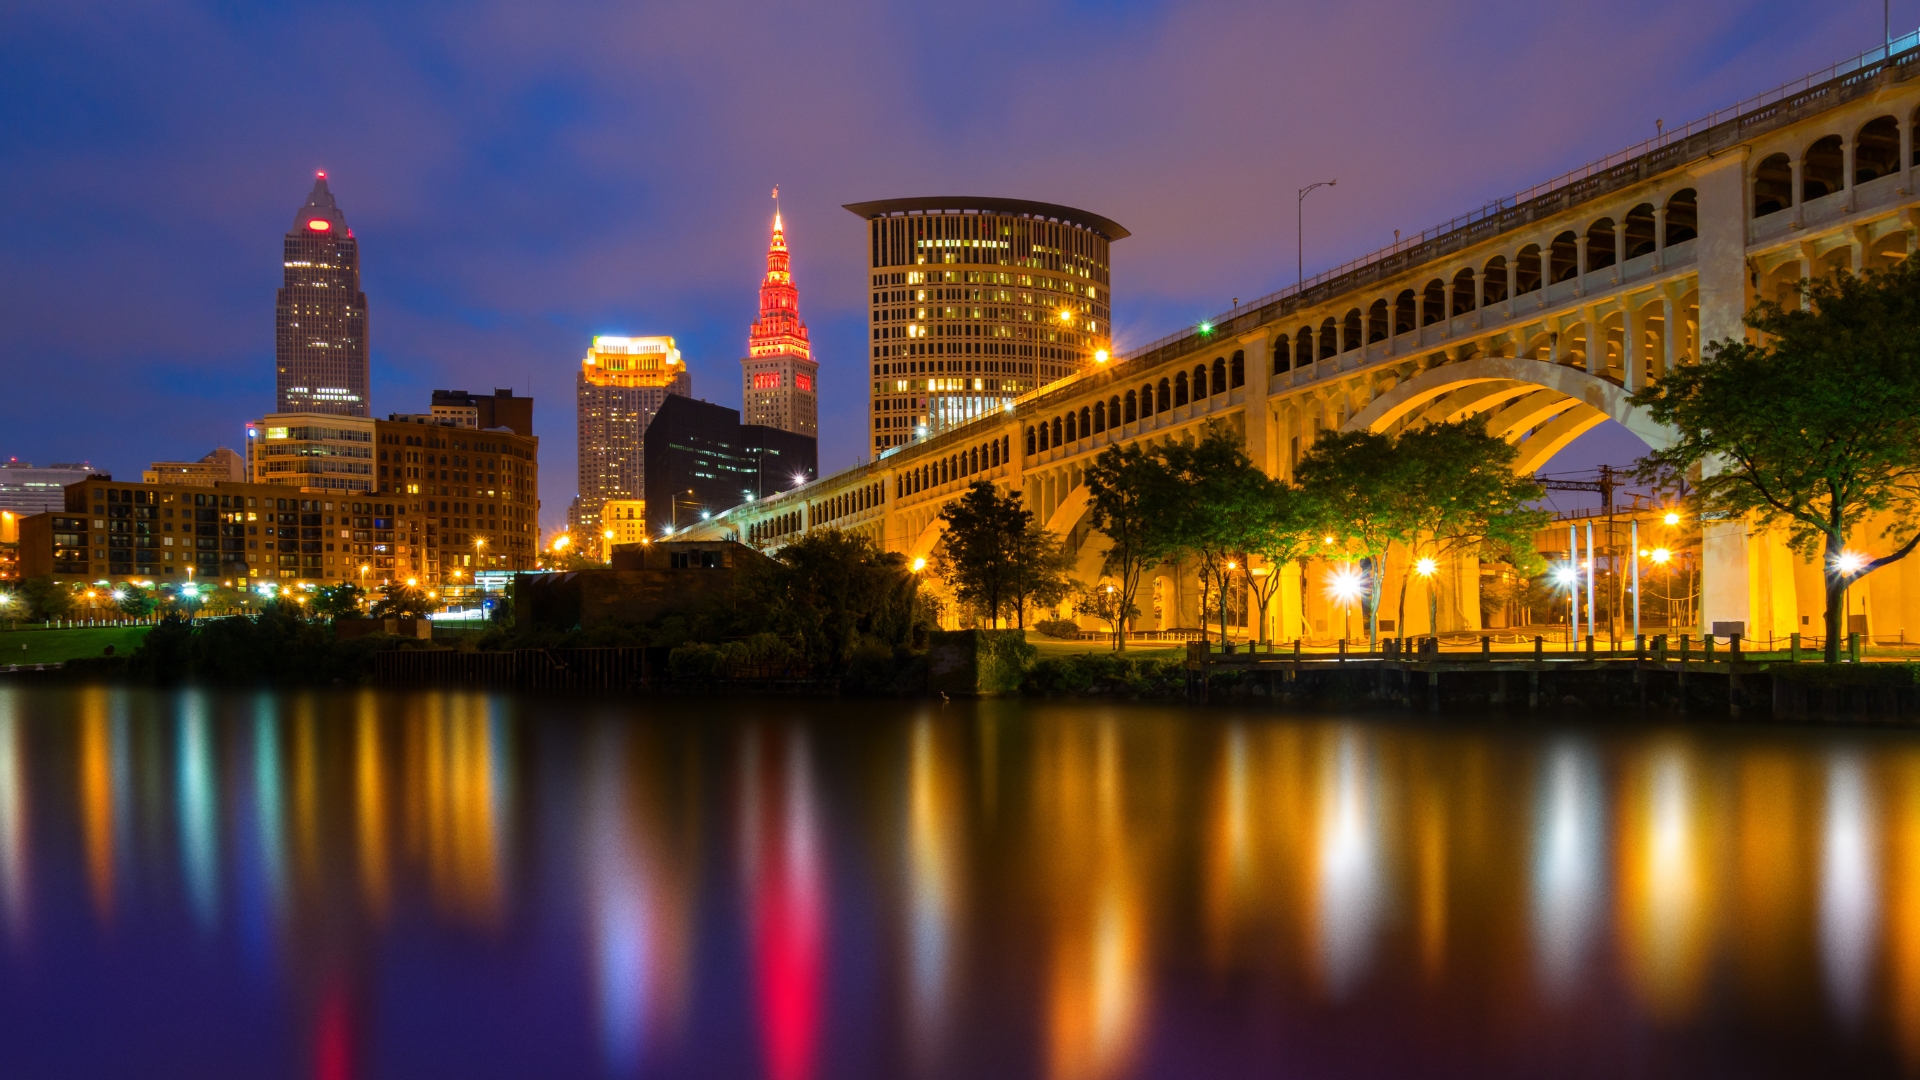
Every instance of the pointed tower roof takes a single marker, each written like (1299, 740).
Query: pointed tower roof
(779, 330)
(319, 207)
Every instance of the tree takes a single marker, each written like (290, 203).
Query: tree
(1284, 527)
(1102, 601)
(397, 601)
(337, 601)
(1217, 493)
(137, 602)
(976, 558)
(1359, 478)
(1128, 490)
(1814, 428)
(46, 599)
(1457, 493)
(829, 591)
(1040, 564)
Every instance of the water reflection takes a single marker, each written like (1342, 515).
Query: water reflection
(14, 796)
(640, 863)
(932, 889)
(1568, 854)
(785, 890)
(355, 883)
(1849, 888)
(1349, 863)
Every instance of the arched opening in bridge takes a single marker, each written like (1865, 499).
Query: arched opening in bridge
(1639, 226)
(1526, 270)
(1772, 186)
(1403, 312)
(1377, 322)
(1876, 149)
(1600, 244)
(1563, 262)
(1823, 170)
(1683, 216)
(1462, 291)
(1433, 302)
(1494, 279)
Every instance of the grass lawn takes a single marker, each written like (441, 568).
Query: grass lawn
(1136, 650)
(48, 646)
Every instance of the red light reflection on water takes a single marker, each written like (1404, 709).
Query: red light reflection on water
(786, 896)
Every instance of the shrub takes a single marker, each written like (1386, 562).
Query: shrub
(1065, 629)
(1105, 673)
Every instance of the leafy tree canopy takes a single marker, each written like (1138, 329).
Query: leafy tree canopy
(1814, 428)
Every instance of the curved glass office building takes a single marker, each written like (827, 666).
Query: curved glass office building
(976, 301)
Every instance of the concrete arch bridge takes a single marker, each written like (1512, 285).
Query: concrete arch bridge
(1543, 313)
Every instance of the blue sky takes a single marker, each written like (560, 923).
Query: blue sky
(523, 176)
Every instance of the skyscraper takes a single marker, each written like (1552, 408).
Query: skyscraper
(778, 377)
(623, 382)
(977, 301)
(320, 314)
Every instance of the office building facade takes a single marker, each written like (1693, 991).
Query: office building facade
(221, 466)
(320, 314)
(779, 381)
(976, 301)
(29, 489)
(477, 491)
(623, 382)
(111, 530)
(701, 460)
(317, 452)
(466, 499)
(623, 521)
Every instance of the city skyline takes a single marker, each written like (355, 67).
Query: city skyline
(528, 210)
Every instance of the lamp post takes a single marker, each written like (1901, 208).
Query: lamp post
(1426, 568)
(673, 510)
(1299, 227)
(479, 559)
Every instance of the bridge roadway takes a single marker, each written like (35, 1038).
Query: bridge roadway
(1543, 313)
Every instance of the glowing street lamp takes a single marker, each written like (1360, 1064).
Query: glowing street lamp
(1347, 585)
(919, 565)
(1425, 569)
(1672, 518)
(1569, 577)
(1850, 565)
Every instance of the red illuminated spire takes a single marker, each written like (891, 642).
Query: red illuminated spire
(779, 332)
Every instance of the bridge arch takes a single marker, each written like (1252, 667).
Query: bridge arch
(1549, 405)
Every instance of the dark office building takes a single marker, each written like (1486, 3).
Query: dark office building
(700, 457)
(320, 314)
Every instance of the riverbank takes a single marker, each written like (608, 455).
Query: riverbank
(53, 646)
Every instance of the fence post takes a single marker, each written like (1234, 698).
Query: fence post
(1793, 647)
(1853, 647)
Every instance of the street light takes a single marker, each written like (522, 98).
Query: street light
(1672, 518)
(1347, 585)
(919, 565)
(1426, 568)
(1299, 227)
(1569, 576)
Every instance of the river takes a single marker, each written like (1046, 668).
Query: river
(379, 884)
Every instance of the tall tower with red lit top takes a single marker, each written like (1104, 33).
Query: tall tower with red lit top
(320, 314)
(778, 386)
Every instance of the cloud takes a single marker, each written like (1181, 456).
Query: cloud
(523, 176)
